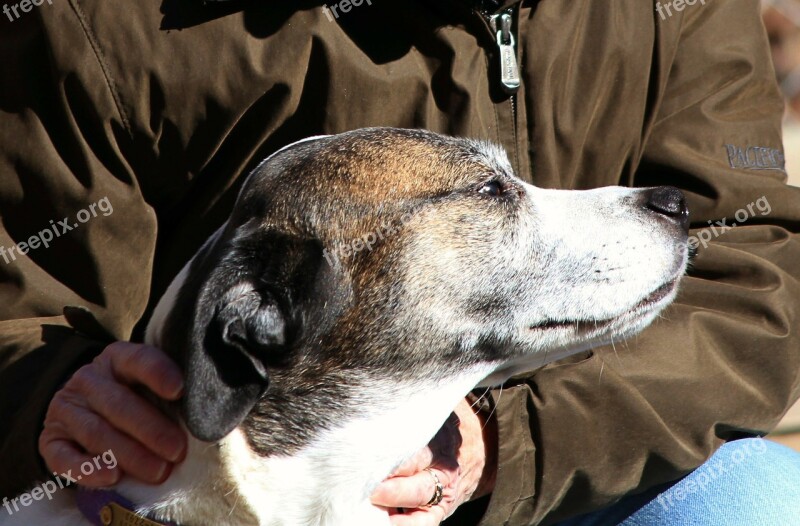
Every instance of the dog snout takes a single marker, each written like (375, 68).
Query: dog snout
(669, 201)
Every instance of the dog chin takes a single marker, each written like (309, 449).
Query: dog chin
(637, 318)
(595, 333)
(553, 341)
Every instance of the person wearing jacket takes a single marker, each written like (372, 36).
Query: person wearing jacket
(155, 111)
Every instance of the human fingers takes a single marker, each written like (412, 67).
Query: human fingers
(74, 436)
(415, 491)
(65, 459)
(135, 363)
(133, 415)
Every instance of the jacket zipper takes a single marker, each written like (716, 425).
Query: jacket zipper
(501, 25)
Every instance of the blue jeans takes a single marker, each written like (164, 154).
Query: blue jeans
(750, 482)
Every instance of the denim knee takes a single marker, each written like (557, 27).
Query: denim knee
(750, 481)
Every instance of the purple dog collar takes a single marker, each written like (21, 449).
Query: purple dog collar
(104, 507)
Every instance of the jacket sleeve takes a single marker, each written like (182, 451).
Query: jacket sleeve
(74, 228)
(724, 360)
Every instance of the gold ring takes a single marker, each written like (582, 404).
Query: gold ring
(438, 490)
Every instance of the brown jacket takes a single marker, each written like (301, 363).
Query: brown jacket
(160, 107)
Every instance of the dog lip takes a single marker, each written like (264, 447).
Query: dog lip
(651, 299)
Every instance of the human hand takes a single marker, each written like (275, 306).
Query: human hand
(97, 410)
(462, 455)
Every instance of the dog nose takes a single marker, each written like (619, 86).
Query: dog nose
(669, 201)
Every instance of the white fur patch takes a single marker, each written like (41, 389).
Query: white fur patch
(330, 482)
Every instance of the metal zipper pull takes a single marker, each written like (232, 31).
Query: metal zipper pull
(509, 70)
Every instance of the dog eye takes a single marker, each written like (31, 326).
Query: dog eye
(492, 188)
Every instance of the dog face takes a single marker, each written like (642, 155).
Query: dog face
(381, 255)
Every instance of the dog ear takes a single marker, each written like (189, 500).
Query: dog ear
(227, 369)
(238, 314)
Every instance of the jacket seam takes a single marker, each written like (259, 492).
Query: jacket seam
(522, 411)
(98, 53)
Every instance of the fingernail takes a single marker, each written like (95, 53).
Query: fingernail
(113, 477)
(177, 390)
(163, 472)
(178, 451)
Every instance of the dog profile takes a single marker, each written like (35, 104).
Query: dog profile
(364, 283)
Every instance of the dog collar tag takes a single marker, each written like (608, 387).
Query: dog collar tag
(112, 514)
(104, 507)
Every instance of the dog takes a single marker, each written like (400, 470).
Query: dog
(364, 283)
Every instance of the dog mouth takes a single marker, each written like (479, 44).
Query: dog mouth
(645, 305)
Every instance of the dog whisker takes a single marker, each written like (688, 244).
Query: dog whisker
(499, 397)
(233, 508)
(480, 398)
(614, 346)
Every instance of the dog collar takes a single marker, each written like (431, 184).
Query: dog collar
(104, 507)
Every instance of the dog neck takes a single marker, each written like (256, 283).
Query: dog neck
(328, 482)
(364, 429)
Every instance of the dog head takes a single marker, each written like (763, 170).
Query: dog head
(385, 254)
